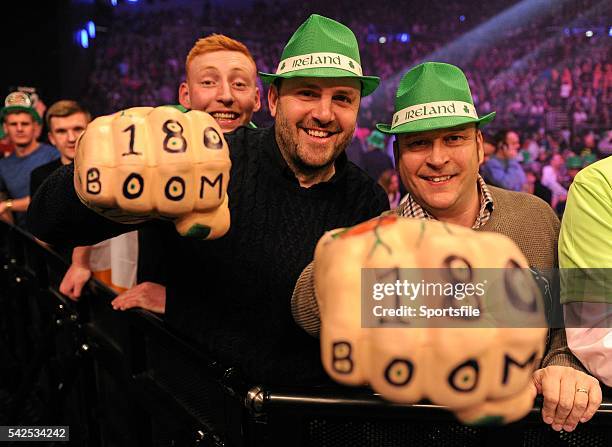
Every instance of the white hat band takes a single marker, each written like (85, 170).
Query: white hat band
(433, 110)
(319, 60)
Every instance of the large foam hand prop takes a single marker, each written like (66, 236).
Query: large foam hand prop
(149, 162)
(477, 366)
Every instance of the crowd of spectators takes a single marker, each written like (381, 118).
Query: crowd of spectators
(538, 69)
(525, 71)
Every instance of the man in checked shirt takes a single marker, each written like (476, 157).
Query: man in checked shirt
(438, 149)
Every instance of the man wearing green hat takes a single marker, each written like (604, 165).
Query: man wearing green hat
(288, 185)
(314, 97)
(375, 161)
(438, 150)
(443, 183)
(21, 123)
(573, 165)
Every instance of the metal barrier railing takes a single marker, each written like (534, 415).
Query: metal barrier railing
(125, 378)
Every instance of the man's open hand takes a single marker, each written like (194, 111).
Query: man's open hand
(570, 396)
(147, 295)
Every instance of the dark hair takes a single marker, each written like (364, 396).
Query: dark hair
(385, 179)
(500, 136)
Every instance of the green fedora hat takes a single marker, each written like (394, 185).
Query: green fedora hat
(322, 48)
(19, 102)
(431, 96)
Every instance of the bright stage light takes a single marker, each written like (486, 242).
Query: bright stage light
(91, 29)
(83, 38)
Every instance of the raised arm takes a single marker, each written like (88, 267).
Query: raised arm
(134, 166)
(57, 216)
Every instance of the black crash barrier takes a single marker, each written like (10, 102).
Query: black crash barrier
(125, 379)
